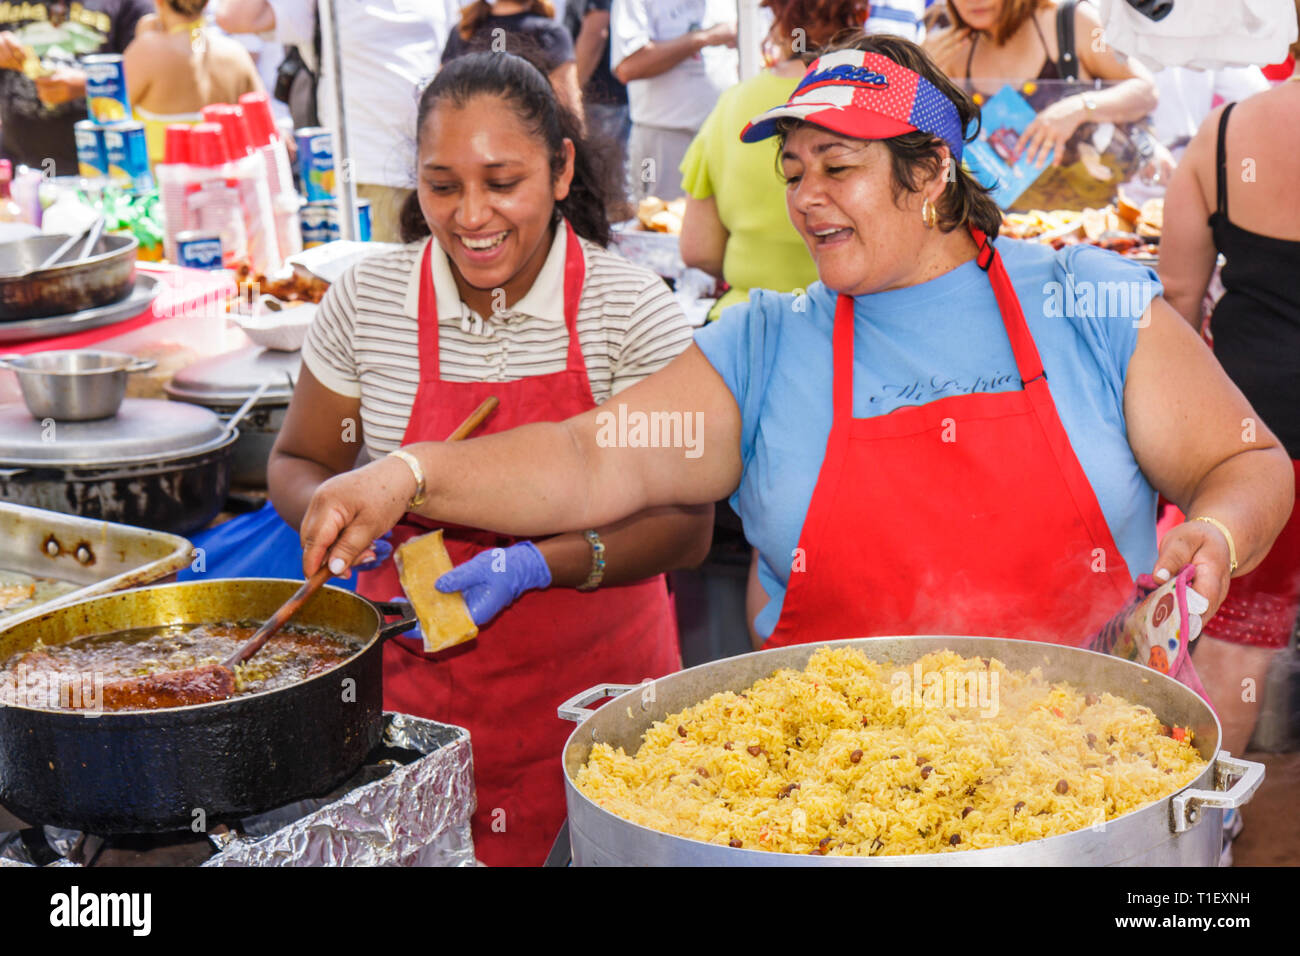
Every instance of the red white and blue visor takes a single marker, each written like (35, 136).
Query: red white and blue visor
(866, 96)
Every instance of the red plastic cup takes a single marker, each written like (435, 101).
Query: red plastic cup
(208, 145)
(176, 148)
(258, 119)
(231, 120)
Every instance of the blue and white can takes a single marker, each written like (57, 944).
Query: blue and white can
(106, 97)
(316, 162)
(320, 222)
(127, 154)
(91, 161)
(196, 249)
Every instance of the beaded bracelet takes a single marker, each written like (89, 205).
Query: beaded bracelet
(597, 562)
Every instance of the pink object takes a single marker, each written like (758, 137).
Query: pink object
(176, 147)
(1122, 635)
(258, 119)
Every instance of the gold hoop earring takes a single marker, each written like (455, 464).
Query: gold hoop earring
(929, 214)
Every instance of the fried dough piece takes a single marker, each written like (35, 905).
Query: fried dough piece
(444, 618)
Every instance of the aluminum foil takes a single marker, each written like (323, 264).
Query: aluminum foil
(391, 814)
(415, 815)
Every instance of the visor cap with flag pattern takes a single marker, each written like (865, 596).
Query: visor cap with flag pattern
(866, 96)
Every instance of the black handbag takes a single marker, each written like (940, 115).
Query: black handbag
(1155, 10)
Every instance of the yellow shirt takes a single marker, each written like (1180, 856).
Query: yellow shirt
(763, 249)
(155, 129)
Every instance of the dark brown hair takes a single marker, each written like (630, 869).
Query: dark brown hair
(529, 94)
(1012, 17)
(477, 12)
(917, 156)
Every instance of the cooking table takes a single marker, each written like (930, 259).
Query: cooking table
(189, 311)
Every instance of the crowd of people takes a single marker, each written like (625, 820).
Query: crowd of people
(867, 304)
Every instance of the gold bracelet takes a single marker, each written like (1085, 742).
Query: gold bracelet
(414, 464)
(1232, 545)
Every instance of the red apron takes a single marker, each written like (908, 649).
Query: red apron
(505, 686)
(968, 515)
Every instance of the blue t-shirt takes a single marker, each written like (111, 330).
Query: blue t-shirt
(922, 343)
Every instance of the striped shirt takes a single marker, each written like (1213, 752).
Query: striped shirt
(364, 340)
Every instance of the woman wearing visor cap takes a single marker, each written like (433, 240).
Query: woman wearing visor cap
(945, 435)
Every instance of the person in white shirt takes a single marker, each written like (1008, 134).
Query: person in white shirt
(388, 50)
(904, 18)
(675, 56)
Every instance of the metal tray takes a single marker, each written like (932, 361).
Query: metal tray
(142, 295)
(99, 555)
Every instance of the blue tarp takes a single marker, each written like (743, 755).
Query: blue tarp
(256, 545)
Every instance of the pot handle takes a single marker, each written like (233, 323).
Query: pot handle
(392, 629)
(576, 709)
(141, 365)
(243, 410)
(1186, 805)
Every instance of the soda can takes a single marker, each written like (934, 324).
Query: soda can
(106, 88)
(316, 162)
(91, 161)
(196, 249)
(127, 154)
(320, 222)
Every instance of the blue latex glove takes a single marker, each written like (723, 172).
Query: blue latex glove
(493, 580)
(383, 549)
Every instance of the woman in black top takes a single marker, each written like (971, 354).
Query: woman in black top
(1020, 40)
(524, 27)
(1235, 193)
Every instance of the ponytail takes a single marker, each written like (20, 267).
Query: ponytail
(528, 92)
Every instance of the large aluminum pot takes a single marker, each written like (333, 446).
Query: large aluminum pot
(154, 771)
(1184, 829)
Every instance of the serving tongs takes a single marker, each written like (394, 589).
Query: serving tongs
(214, 682)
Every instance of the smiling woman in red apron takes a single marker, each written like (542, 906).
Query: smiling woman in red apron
(514, 296)
(943, 435)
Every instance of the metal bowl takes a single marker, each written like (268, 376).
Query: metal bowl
(105, 276)
(74, 385)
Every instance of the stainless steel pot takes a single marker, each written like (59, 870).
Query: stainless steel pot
(74, 385)
(1184, 829)
(224, 381)
(156, 464)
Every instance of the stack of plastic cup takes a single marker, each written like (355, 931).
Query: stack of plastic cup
(212, 193)
(171, 183)
(255, 195)
(266, 139)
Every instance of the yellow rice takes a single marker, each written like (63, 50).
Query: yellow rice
(930, 769)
